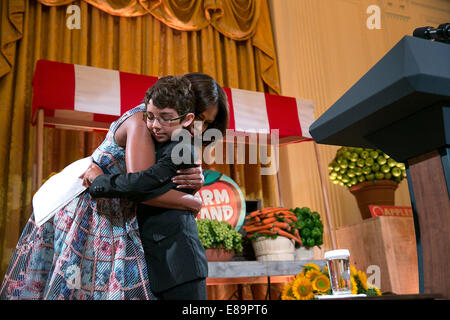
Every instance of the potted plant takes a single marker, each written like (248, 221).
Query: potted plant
(370, 175)
(219, 239)
(272, 233)
(310, 228)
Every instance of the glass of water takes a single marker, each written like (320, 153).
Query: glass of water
(338, 262)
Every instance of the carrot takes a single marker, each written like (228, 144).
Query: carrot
(297, 234)
(286, 234)
(254, 214)
(266, 211)
(268, 215)
(282, 225)
(287, 213)
(288, 220)
(250, 235)
(261, 212)
(269, 220)
(292, 217)
(267, 232)
(249, 227)
(268, 226)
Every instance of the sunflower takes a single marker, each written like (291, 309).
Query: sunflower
(363, 278)
(353, 270)
(325, 270)
(321, 284)
(354, 285)
(302, 288)
(309, 266)
(301, 274)
(287, 293)
(312, 274)
(373, 290)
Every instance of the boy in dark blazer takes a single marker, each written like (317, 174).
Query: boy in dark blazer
(175, 256)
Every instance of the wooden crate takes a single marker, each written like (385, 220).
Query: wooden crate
(388, 242)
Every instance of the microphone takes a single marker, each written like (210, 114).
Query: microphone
(441, 33)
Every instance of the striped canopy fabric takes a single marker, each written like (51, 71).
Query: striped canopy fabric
(87, 98)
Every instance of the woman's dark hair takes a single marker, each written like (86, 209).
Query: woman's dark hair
(209, 93)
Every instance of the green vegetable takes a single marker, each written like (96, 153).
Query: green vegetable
(356, 165)
(216, 234)
(381, 160)
(319, 241)
(379, 175)
(300, 224)
(316, 216)
(315, 233)
(305, 232)
(310, 242)
(309, 224)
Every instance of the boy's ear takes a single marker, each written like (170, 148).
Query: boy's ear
(188, 120)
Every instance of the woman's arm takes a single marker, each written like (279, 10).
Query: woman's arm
(140, 155)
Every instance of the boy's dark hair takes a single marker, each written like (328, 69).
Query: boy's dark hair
(173, 92)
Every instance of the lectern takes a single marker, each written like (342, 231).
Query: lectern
(402, 106)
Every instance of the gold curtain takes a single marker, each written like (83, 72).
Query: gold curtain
(234, 46)
(235, 19)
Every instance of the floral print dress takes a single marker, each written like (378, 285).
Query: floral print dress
(90, 249)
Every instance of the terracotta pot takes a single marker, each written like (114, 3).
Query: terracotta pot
(215, 254)
(380, 192)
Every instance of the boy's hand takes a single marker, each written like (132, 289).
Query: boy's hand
(92, 172)
(191, 178)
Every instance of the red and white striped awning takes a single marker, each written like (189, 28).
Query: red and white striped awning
(87, 98)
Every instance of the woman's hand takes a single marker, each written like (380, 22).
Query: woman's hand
(92, 172)
(191, 178)
(197, 205)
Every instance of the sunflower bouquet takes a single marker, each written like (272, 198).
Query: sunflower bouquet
(312, 281)
(360, 284)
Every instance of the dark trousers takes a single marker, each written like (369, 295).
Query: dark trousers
(192, 290)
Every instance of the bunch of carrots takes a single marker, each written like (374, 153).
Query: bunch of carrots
(272, 221)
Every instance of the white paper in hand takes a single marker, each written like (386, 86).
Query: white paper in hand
(59, 190)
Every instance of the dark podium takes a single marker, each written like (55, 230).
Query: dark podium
(402, 106)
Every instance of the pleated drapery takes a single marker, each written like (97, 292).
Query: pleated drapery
(230, 40)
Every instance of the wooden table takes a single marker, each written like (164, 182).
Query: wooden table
(256, 272)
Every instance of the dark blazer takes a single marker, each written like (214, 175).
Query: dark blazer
(173, 251)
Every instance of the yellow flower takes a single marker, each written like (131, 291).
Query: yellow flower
(353, 270)
(325, 270)
(375, 288)
(321, 284)
(312, 266)
(363, 278)
(287, 293)
(354, 285)
(302, 288)
(311, 274)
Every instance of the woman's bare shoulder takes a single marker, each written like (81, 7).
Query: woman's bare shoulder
(134, 123)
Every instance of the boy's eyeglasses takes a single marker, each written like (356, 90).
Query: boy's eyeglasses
(149, 117)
